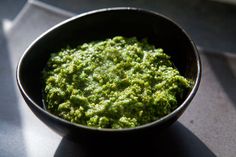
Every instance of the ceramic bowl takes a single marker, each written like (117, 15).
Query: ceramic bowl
(99, 25)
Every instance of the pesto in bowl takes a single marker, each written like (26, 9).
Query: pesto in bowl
(116, 83)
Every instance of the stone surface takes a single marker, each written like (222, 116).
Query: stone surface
(207, 128)
(212, 114)
(21, 133)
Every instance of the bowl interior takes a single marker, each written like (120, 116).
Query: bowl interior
(101, 25)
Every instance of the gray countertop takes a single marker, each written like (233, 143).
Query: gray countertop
(207, 128)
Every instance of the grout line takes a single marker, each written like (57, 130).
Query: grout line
(231, 2)
(20, 14)
(203, 50)
(41, 5)
(51, 8)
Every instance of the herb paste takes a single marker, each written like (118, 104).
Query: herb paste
(116, 83)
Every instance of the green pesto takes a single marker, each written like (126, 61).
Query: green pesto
(115, 83)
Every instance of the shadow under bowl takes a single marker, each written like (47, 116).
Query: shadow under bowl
(99, 25)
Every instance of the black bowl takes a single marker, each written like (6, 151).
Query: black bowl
(99, 25)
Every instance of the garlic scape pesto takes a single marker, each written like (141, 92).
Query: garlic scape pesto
(116, 83)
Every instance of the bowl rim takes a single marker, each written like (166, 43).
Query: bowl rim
(183, 105)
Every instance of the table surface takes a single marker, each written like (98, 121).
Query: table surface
(207, 128)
